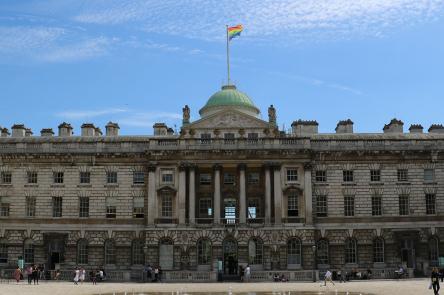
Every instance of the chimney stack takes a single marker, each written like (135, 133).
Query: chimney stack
(416, 128)
(88, 129)
(65, 129)
(28, 132)
(436, 128)
(395, 126)
(160, 129)
(5, 132)
(112, 129)
(18, 130)
(46, 132)
(344, 126)
(304, 128)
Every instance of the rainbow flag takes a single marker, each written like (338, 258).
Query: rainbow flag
(234, 31)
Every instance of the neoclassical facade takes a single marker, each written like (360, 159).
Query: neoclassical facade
(230, 187)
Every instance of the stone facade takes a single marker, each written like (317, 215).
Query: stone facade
(230, 187)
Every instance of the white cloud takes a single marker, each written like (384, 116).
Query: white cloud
(17, 38)
(88, 114)
(206, 19)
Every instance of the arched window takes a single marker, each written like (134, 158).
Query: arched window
(322, 251)
(203, 252)
(255, 251)
(82, 251)
(28, 251)
(294, 252)
(351, 251)
(138, 256)
(378, 250)
(3, 251)
(110, 252)
(433, 251)
(166, 254)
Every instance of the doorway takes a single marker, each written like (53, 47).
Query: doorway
(55, 244)
(408, 253)
(166, 254)
(230, 257)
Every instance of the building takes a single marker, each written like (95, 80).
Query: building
(231, 188)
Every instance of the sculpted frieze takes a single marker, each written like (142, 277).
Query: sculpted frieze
(230, 119)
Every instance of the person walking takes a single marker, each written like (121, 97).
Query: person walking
(435, 280)
(156, 274)
(82, 275)
(76, 276)
(327, 277)
(93, 276)
(28, 272)
(17, 274)
(35, 274)
(247, 273)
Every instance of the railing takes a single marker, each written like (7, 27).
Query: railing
(293, 220)
(166, 221)
(229, 221)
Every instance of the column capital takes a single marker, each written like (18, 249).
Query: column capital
(217, 166)
(192, 166)
(151, 167)
(183, 166)
(242, 166)
(308, 166)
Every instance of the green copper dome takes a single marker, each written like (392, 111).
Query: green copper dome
(229, 96)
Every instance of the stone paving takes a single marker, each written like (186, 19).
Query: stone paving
(386, 287)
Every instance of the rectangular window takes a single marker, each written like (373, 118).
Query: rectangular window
(292, 206)
(85, 177)
(253, 178)
(4, 209)
(83, 207)
(167, 176)
(205, 138)
(403, 205)
(111, 207)
(30, 206)
(58, 177)
(349, 206)
(321, 206)
(375, 175)
(3, 252)
(430, 203)
(6, 177)
(347, 176)
(138, 177)
(205, 208)
(205, 178)
(254, 208)
(138, 207)
(376, 205)
(32, 177)
(292, 175)
(229, 138)
(403, 175)
(429, 175)
(229, 178)
(321, 176)
(111, 177)
(57, 203)
(167, 206)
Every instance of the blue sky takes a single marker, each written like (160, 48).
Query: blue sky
(139, 62)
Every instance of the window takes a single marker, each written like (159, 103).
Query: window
(138, 177)
(167, 205)
(403, 175)
(292, 175)
(203, 252)
(230, 210)
(253, 178)
(32, 177)
(82, 251)
(349, 206)
(111, 177)
(6, 177)
(30, 206)
(57, 204)
(252, 137)
(110, 252)
(433, 251)
(254, 208)
(28, 251)
(205, 138)
(167, 176)
(375, 175)
(322, 251)
(229, 138)
(255, 251)
(205, 178)
(138, 207)
(229, 178)
(351, 251)
(347, 176)
(321, 206)
(85, 177)
(4, 209)
(137, 255)
(205, 208)
(293, 208)
(403, 205)
(58, 177)
(83, 207)
(429, 175)
(294, 251)
(378, 250)
(111, 203)
(376, 205)
(321, 176)
(430, 203)
(3, 251)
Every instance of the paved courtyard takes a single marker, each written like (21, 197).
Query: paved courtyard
(389, 287)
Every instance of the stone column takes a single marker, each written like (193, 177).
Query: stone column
(242, 194)
(152, 195)
(277, 194)
(308, 196)
(192, 195)
(182, 193)
(216, 194)
(267, 195)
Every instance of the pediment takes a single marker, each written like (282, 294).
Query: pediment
(229, 119)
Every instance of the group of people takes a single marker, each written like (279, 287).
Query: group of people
(33, 273)
(153, 274)
(280, 278)
(94, 275)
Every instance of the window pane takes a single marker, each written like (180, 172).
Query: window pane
(138, 178)
(293, 208)
(292, 175)
(322, 251)
(30, 206)
(378, 250)
(82, 252)
(375, 175)
(321, 176)
(205, 178)
(321, 206)
(350, 251)
(403, 205)
(402, 175)
(429, 175)
(294, 251)
(347, 175)
(83, 207)
(203, 252)
(57, 206)
(349, 206)
(376, 205)
(85, 177)
(430, 204)
(32, 177)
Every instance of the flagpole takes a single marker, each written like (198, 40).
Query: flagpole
(228, 57)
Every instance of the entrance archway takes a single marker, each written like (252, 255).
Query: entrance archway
(230, 256)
